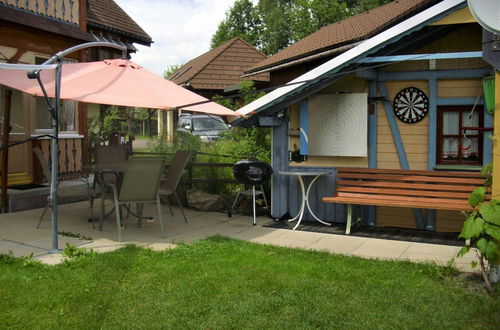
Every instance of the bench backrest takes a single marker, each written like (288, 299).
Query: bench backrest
(452, 189)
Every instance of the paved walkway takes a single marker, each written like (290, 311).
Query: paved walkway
(19, 235)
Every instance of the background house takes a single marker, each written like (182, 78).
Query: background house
(352, 72)
(32, 31)
(334, 39)
(216, 72)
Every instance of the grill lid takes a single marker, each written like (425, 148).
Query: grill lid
(252, 171)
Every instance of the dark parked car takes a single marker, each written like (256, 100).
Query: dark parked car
(207, 127)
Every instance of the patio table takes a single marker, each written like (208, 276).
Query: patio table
(305, 194)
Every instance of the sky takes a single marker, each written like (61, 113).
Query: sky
(181, 29)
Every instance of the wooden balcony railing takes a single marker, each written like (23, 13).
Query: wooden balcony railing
(64, 10)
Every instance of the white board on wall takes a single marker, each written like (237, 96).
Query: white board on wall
(338, 125)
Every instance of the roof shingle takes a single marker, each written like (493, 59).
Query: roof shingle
(347, 31)
(107, 14)
(220, 67)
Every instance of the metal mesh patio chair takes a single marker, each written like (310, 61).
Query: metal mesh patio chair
(73, 191)
(140, 184)
(106, 156)
(173, 176)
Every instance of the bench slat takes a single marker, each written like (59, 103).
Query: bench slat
(404, 192)
(412, 172)
(414, 178)
(406, 204)
(419, 186)
(403, 199)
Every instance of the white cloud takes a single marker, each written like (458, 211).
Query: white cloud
(181, 29)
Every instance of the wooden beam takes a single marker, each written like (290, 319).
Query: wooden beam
(5, 150)
(496, 140)
(487, 138)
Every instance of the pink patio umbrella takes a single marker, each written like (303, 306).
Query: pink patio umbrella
(114, 82)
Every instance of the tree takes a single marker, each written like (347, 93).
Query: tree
(310, 16)
(272, 25)
(241, 20)
(171, 69)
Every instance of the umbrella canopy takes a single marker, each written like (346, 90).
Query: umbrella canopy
(113, 82)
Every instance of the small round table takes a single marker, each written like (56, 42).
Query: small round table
(305, 194)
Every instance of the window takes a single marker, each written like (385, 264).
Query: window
(184, 121)
(456, 146)
(67, 112)
(66, 115)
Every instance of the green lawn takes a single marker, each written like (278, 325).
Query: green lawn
(221, 283)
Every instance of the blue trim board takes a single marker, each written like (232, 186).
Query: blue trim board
(399, 145)
(421, 57)
(396, 136)
(304, 127)
(431, 160)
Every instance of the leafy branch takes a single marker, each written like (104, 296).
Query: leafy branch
(481, 229)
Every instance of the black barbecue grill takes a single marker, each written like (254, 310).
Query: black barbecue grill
(251, 172)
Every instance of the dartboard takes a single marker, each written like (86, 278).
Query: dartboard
(410, 105)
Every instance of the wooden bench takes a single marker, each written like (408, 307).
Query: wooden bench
(404, 188)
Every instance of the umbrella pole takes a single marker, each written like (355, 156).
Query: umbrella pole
(55, 161)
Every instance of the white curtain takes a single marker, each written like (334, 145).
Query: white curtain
(451, 127)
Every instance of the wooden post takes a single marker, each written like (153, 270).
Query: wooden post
(5, 152)
(496, 139)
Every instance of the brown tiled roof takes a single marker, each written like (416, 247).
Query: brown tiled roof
(220, 67)
(107, 15)
(347, 31)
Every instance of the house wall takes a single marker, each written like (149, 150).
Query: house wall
(418, 139)
(22, 44)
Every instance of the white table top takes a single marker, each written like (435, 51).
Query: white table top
(304, 173)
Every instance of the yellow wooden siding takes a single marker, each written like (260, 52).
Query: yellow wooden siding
(457, 17)
(460, 88)
(449, 221)
(395, 217)
(414, 136)
(415, 141)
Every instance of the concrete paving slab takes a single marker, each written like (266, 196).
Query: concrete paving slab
(23, 250)
(17, 232)
(51, 258)
(25, 235)
(338, 244)
(381, 249)
(161, 246)
(289, 238)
